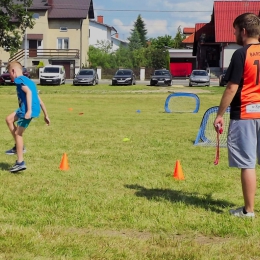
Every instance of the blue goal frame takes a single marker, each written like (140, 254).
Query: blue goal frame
(182, 94)
(201, 133)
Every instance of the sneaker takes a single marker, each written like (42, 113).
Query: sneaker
(13, 151)
(239, 213)
(18, 167)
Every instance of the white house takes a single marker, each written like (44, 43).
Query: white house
(101, 32)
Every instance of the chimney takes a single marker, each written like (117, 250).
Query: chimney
(50, 2)
(100, 19)
(117, 35)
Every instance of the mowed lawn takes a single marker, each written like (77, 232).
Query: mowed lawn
(119, 199)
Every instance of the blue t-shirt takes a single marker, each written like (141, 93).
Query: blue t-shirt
(36, 108)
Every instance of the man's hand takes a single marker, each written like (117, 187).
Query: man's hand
(219, 123)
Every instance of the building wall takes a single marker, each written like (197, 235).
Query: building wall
(117, 42)
(40, 27)
(98, 32)
(226, 56)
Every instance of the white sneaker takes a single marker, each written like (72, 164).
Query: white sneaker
(239, 213)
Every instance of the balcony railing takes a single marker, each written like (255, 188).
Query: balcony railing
(46, 53)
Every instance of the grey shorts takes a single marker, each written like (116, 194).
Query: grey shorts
(244, 143)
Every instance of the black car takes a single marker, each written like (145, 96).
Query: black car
(222, 81)
(124, 77)
(86, 77)
(5, 77)
(161, 77)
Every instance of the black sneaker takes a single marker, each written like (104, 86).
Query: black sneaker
(13, 151)
(18, 167)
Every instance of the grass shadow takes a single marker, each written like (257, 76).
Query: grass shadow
(199, 200)
(4, 166)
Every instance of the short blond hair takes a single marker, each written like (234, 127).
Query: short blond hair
(13, 64)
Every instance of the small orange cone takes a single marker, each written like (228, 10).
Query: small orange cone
(178, 173)
(64, 165)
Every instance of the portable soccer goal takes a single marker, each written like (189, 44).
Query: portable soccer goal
(182, 102)
(207, 135)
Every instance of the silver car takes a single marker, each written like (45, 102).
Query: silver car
(86, 77)
(199, 78)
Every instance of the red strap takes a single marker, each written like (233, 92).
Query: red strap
(220, 131)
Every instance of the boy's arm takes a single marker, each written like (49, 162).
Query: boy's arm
(44, 110)
(28, 93)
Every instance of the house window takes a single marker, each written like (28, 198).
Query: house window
(35, 62)
(63, 29)
(63, 43)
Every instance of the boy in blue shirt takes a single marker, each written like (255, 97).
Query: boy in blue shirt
(30, 106)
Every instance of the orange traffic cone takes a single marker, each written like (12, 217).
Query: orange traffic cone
(64, 165)
(178, 174)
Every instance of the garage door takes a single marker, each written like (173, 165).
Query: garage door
(181, 69)
(66, 65)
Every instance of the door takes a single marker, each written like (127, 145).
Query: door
(66, 65)
(33, 48)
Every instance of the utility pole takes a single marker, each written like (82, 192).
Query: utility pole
(25, 42)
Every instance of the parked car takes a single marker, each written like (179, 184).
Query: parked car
(53, 75)
(5, 77)
(124, 77)
(86, 77)
(199, 77)
(162, 76)
(222, 81)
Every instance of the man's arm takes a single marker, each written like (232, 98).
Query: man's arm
(28, 93)
(44, 110)
(226, 99)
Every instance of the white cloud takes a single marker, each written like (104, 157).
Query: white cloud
(123, 30)
(156, 27)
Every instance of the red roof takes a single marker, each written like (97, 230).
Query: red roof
(189, 39)
(225, 13)
(188, 30)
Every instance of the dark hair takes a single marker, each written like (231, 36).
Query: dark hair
(250, 22)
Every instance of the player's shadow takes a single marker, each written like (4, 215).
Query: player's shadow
(199, 200)
(4, 166)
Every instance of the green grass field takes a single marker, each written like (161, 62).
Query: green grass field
(119, 199)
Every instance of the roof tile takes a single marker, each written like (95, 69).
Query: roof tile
(225, 13)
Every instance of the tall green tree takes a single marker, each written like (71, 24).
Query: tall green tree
(14, 19)
(139, 25)
(179, 37)
(134, 40)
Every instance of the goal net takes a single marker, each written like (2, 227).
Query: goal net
(207, 135)
(182, 102)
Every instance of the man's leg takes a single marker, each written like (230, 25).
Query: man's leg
(248, 180)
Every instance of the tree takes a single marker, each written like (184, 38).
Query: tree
(179, 37)
(124, 57)
(104, 45)
(134, 40)
(14, 19)
(139, 25)
(162, 42)
(98, 57)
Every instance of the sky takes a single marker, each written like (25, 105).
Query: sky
(161, 17)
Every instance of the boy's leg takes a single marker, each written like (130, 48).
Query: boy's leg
(248, 180)
(10, 120)
(19, 143)
(22, 124)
